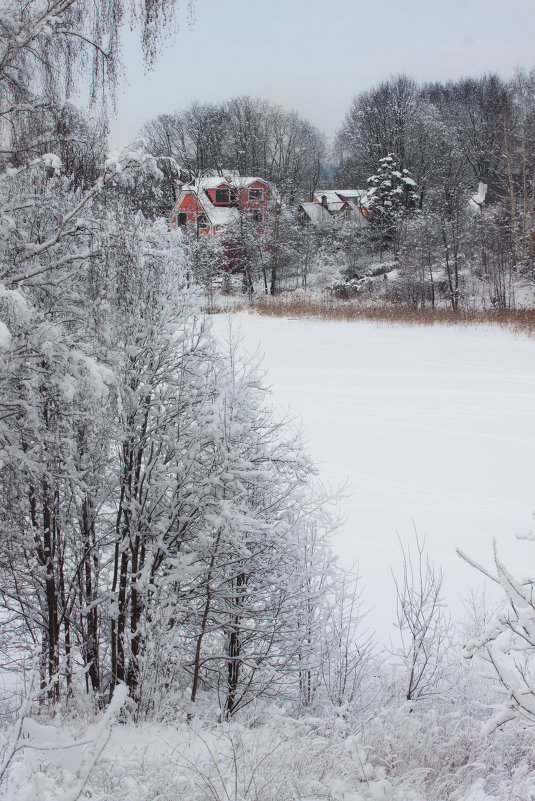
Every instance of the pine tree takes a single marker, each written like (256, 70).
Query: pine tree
(392, 197)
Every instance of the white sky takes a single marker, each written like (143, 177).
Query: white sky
(315, 55)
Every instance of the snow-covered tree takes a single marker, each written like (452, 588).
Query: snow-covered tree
(391, 197)
(245, 134)
(508, 642)
(382, 120)
(424, 627)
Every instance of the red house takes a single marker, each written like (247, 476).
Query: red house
(213, 202)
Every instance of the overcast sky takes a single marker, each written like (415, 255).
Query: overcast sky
(315, 55)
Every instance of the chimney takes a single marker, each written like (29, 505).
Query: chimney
(324, 202)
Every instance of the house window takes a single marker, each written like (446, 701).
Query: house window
(222, 195)
(182, 218)
(202, 221)
(256, 194)
(256, 215)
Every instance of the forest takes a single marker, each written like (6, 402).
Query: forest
(165, 551)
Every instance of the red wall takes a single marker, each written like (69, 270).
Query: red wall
(243, 196)
(191, 206)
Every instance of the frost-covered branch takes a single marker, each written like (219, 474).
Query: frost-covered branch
(423, 627)
(509, 642)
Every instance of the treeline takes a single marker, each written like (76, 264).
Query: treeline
(463, 236)
(245, 134)
(470, 147)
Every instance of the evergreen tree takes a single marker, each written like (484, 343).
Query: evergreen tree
(392, 196)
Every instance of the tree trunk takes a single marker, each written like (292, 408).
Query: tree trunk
(234, 647)
(90, 650)
(50, 593)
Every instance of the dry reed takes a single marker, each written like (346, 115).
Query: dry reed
(518, 320)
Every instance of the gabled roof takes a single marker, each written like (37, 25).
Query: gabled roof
(216, 215)
(336, 198)
(330, 198)
(229, 179)
(357, 215)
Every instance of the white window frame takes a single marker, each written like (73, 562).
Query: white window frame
(259, 189)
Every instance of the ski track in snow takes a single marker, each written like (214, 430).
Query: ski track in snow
(432, 428)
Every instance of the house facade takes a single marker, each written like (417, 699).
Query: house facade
(212, 203)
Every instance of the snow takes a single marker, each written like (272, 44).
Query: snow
(315, 212)
(357, 194)
(220, 215)
(229, 179)
(332, 198)
(281, 759)
(478, 199)
(16, 303)
(5, 336)
(318, 213)
(52, 161)
(432, 428)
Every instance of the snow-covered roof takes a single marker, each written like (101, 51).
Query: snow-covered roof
(332, 199)
(216, 215)
(335, 198)
(315, 212)
(208, 182)
(220, 215)
(229, 179)
(356, 213)
(351, 194)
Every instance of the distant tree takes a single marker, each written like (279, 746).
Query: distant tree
(473, 112)
(421, 266)
(519, 131)
(246, 135)
(382, 120)
(392, 195)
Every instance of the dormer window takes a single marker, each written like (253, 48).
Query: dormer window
(256, 194)
(222, 195)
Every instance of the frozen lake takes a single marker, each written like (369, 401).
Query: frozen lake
(432, 428)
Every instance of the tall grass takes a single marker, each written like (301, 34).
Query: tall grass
(519, 320)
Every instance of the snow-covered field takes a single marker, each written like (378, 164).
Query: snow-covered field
(432, 428)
